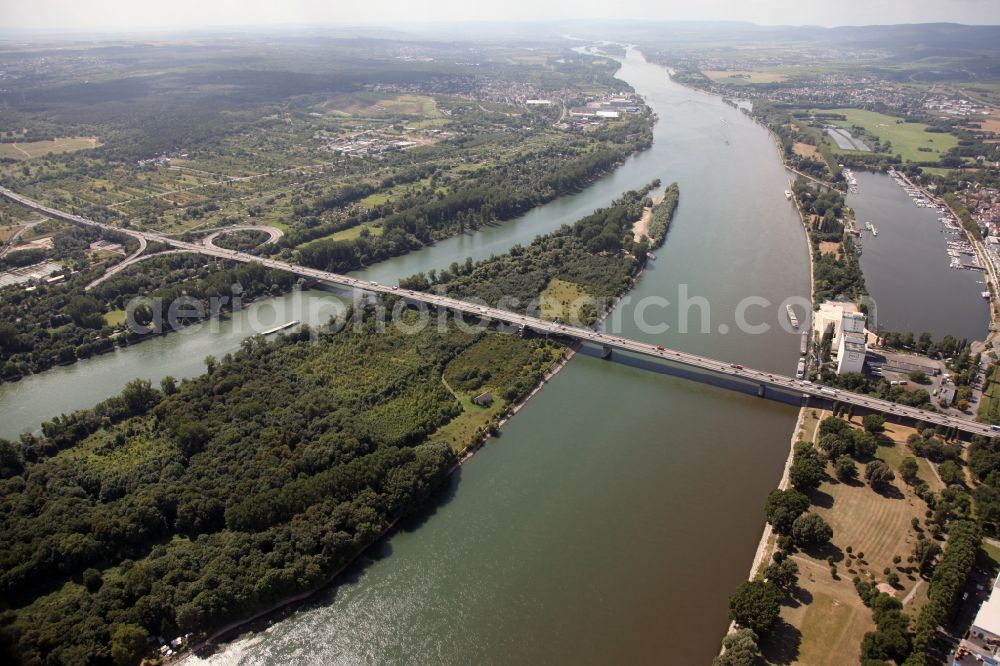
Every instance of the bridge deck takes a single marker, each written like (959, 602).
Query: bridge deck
(655, 351)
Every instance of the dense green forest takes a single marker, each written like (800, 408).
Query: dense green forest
(177, 509)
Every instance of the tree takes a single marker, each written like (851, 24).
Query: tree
(836, 445)
(951, 473)
(865, 444)
(845, 469)
(925, 554)
(92, 579)
(874, 423)
(740, 649)
(755, 605)
(809, 529)
(129, 644)
(168, 385)
(908, 469)
(783, 507)
(833, 424)
(784, 574)
(806, 473)
(879, 475)
(11, 462)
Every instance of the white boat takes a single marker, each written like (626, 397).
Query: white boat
(281, 328)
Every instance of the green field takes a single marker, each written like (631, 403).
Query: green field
(30, 149)
(355, 232)
(114, 317)
(906, 138)
(562, 300)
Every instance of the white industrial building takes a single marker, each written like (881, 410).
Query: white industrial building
(852, 346)
(850, 339)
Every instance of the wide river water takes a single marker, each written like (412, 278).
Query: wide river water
(622, 505)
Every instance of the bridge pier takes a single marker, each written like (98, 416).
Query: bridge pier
(606, 352)
(761, 390)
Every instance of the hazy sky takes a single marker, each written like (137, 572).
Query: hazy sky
(129, 14)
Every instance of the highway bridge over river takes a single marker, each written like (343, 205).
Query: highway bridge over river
(763, 380)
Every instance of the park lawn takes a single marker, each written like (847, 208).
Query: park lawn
(828, 623)
(562, 300)
(810, 424)
(114, 317)
(874, 524)
(906, 138)
(744, 77)
(31, 149)
(832, 624)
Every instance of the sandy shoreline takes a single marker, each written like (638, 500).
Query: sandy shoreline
(641, 226)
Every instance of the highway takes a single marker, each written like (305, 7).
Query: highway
(750, 375)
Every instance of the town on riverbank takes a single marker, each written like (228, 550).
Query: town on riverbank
(879, 538)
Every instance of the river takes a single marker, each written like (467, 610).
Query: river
(621, 506)
(906, 266)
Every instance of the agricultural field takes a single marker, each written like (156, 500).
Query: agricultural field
(376, 105)
(31, 149)
(211, 144)
(907, 138)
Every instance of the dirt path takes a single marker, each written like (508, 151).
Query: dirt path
(641, 227)
(17, 147)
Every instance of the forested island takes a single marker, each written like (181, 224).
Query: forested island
(183, 508)
(580, 267)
